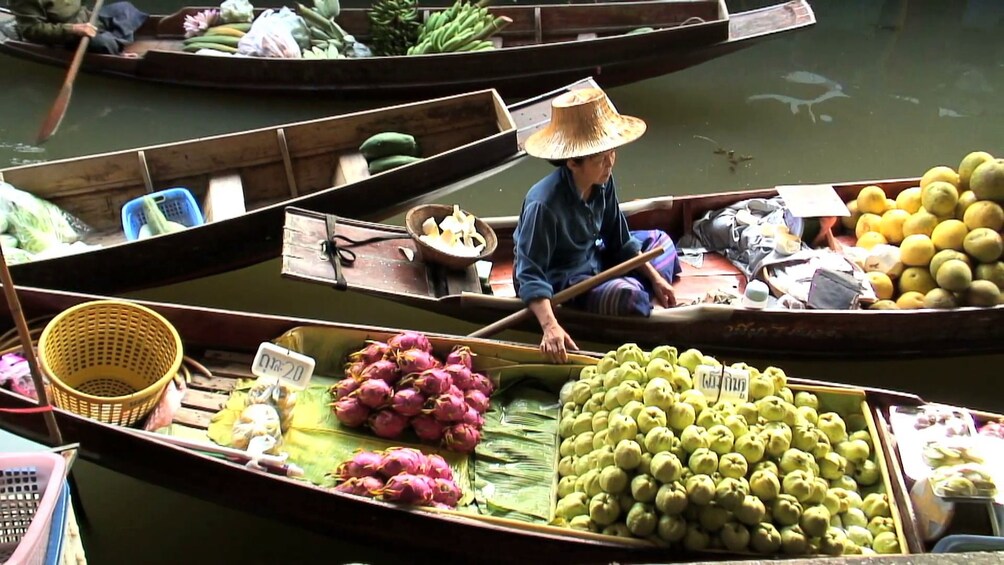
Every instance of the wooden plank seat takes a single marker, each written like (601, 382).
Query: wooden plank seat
(224, 197)
(350, 167)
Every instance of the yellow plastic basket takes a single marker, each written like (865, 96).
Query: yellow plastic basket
(109, 360)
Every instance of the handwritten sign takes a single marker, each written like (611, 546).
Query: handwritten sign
(813, 200)
(719, 383)
(287, 366)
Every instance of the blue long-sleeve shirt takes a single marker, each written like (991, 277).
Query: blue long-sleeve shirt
(559, 235)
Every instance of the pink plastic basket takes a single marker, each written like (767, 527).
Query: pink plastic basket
(30, 484)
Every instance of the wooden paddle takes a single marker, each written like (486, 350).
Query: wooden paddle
(28, 348)
(572, 291)
(55, 117)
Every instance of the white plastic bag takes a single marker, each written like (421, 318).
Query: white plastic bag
(269, 37)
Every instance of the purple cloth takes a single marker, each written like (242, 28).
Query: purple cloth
(631, 295)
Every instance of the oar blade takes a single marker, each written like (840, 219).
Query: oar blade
(55, 117)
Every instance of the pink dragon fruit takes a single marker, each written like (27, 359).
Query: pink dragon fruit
(483, 383)
(445, 491)
(351, 412)
(362, 464)
(433, 382)
(438, 467)
(461, 437)
(460, 375)
(387, 423)
(448, 408)
(477, 400)
(383, 370)
(408, 402)
(427, 428)
(410, 340)
(411, 361)
(344, 387)
(354, 370)
(361, 486)
(374, 393)
(398, 460)
(373, 352)
(409, 489)
(461, 355)
(473, 417)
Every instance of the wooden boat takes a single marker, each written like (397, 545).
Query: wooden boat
(545, 47)
(225, 342)
(822, 333)
(243, 181)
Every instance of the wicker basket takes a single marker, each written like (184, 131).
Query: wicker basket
(419, 214)
(109, 360)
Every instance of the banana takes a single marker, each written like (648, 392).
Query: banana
(458, 40)
(225, 30)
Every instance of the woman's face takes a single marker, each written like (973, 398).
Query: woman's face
(596, 168)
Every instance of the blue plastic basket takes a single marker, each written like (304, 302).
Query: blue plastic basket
(54, 552)
(177, 204)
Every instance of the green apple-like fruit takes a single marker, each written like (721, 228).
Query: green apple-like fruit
(777, 442)
(855, 517)
(808, 414)
(765, 539)
(695, 398)
(658, 392)
(732, 465)
(771, 408)
(833, 426)
(710, 418)
(794, 541)
(700, 490)
(832, 466)
(666, 467)
(737, 424)
(671, 528)
(876, 505)
(681, 379)
(613, 480)
(627, 454)
(751, 511)
(651, 417)
(855, 450)
(751, 446)
(765, 485)
(681, 415)
(659, 438)
(804, 398)
(795, 460)
(798, 484)
(693, 438)
(760, 387)
(703, 460)
(720, 439)
(867, 473)
(815, 520)
(786, 510)
(671, 498)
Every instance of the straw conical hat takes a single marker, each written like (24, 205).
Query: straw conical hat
(583, 122)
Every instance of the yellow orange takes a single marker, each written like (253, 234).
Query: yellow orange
(891, 226)
(909, 199)
(984, 214)
(966, 199)
(850, 222)
(912, 300)
(872, 200)
(916, 250)
(940, 173)
(969, 164)
(949, 235)
(940, 198)
(870, 239)
(984, 244)
(916, 279)
(882, 284)
(866, 223)
(921, 222)
(884, 305)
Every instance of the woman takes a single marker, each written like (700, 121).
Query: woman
(66, 22)
(571, 226)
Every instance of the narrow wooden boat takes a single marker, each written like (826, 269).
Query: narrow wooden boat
(820, 333)
(243, 181)
(545, 47)
(225, 342)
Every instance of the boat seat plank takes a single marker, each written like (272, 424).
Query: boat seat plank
(193, 418)
(586, 36)
(350, 167)
(214, 383)
(224, 197)
(203, 400)
(212, 355)
(459, 282)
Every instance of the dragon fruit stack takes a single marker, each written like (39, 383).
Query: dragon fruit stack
(391, 386)
(400, 474)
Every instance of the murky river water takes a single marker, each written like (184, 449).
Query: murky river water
(874, 90)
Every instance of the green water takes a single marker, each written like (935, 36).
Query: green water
(900, 86)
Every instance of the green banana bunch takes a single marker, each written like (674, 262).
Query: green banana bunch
(324, 50)
(461, 27)
(394, 26)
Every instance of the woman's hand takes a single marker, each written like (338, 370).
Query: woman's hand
(84, 30)
(663, 292)
(556, 343)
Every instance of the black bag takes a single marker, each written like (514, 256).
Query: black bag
(833, 290)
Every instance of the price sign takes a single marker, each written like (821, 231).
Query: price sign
(720, 383)
(287, 366)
